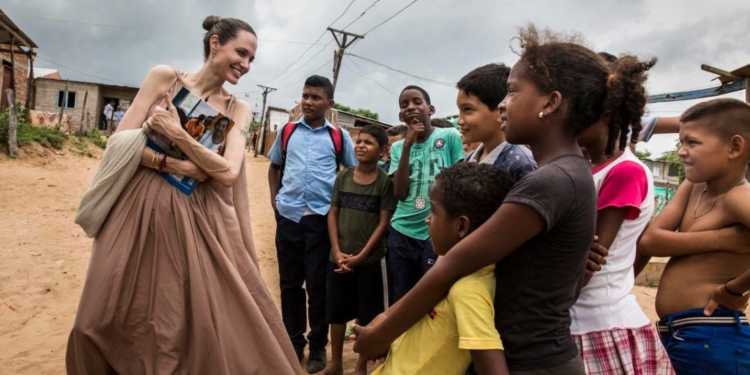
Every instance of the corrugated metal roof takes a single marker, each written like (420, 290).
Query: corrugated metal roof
(8, 29)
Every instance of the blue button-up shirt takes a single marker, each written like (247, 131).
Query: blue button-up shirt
(310, 169)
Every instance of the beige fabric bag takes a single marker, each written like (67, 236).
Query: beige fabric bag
(119, 163)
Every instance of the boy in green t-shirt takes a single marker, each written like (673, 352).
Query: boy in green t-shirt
(361, 207)
(415, 162)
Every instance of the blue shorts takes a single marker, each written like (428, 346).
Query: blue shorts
(718, 344)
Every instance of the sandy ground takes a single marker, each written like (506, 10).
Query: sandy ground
(44, 255)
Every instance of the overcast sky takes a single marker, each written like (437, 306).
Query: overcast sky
(436, 39)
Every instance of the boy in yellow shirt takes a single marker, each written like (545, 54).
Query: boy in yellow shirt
(460, 329)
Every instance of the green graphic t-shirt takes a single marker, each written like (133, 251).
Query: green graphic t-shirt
(359, 211)
(426, 160)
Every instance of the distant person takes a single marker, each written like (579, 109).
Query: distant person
(173, 285)
(117, 116)
(107, 113)
(395, 134)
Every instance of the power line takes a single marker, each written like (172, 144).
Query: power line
(306, 62)
(311, 46)
(306, 75)
(403, 72)
(360, 16)
(391, 17)
(368, 77)
(80, 72)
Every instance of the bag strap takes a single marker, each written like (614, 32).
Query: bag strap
(286, 133)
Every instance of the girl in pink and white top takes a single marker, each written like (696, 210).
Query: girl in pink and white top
(613, 334)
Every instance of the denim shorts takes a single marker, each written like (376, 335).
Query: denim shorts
(697, 344)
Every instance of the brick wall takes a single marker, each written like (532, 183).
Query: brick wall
(21, 72)
(48, 90)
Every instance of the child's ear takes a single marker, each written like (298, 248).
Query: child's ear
(737, 146)
(554, 102)
(464, 225)
(331, 103)
(383, 150)
(432, 110)
(400, 117)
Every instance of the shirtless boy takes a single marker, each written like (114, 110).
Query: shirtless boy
(704, 229)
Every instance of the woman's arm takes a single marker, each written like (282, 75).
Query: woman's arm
(223, 169)
(514, 222)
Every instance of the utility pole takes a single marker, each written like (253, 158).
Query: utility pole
(262, 136)
(338, 56)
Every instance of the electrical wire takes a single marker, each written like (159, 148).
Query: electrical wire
(367, 76)
(361, 15)
(311, 46)
(403, 72)
(390, 18)
(80, 72)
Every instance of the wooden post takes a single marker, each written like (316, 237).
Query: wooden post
(12, 63)
(12, 124)
(64, 102)
(83, 112)
(30, 81)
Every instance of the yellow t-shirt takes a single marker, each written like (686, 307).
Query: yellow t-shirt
(440, 342)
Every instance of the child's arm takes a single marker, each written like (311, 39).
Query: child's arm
(662, 240)
(608, 223)
(733, 295)
(516, 223)
(667, 125)
(641, 259)
(401, 176)
(375, 241)
(489, 362)
(333, 227)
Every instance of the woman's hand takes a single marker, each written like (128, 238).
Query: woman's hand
(165, 121)
(188, 169)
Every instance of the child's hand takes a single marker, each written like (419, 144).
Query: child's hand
(366, 344)
(352, 261)
(412, 133)
(340, 257)
(597, 257)
(720, 298)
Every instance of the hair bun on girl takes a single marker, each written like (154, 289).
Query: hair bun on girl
(210, 21)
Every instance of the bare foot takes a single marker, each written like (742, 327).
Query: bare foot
(333, 369)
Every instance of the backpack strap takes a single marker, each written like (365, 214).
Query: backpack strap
(286, 133)
(337, 137)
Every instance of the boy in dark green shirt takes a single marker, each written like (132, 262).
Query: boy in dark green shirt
(361, 208)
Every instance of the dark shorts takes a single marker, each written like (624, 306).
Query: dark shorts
(361, 294)
(408, 259)
(697, 344)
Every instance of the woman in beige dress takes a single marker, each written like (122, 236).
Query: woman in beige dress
(173, 285)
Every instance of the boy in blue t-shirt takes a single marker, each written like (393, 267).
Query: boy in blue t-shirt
(479, 94)
(415, 162)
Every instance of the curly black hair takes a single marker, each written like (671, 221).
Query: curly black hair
(489, 83)
(474, 190)
(423, 91)
(321, 82)
(592, 88)
(376, 132)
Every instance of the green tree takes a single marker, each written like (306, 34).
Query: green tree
(643, 155)
(672, 159)
(359, 111)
